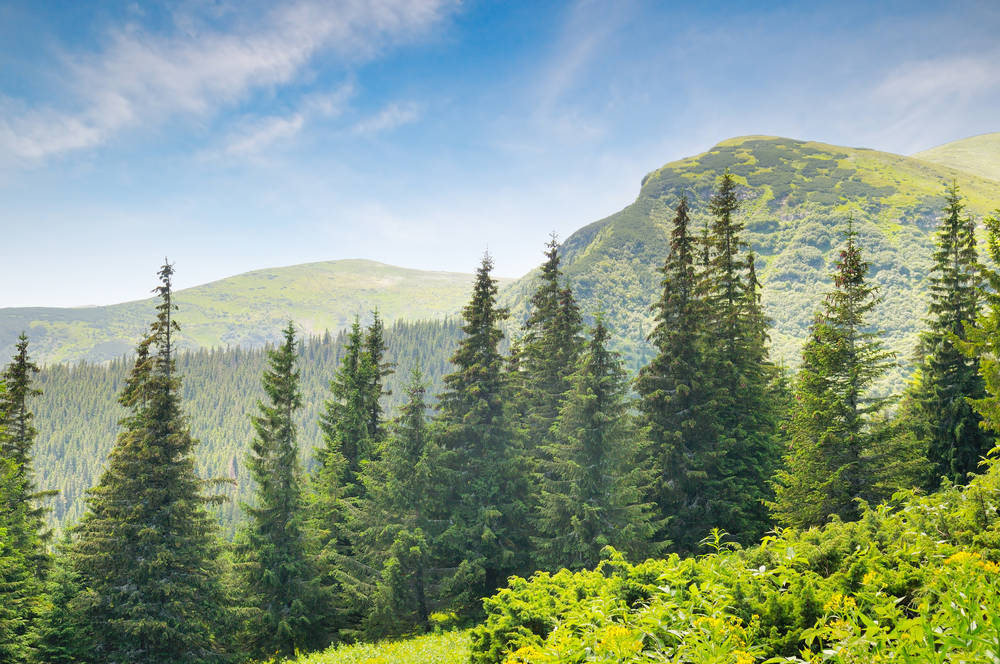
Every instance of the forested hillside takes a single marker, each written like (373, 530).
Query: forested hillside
(798, 197)
(247, 310)
(78, 412)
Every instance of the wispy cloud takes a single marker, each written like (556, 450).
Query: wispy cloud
(391, 117)
(253, 135)
(142, 77)
(919, 99)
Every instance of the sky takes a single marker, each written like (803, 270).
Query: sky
(236, 135)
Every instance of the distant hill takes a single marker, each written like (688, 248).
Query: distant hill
(979, 155)
(798, 196)
(247, 310)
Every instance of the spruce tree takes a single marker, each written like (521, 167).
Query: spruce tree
(145, 549)
(947, 378)
(278, 574)
(346, 421)
(592, 492)
(742, 379)
(488, 535)
(402, 516)
(832, 423)
(674, 394)
(549, 349)
(24, 561)
(983, 343)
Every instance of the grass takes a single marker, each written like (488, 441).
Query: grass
(979, 155)
(442, 648)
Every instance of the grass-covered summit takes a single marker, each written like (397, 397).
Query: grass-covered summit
(979, 155)
(247, 310)
(798, 197)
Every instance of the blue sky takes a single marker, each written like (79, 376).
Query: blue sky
(236, 135)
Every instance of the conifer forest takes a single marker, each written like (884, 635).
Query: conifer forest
(509, 487)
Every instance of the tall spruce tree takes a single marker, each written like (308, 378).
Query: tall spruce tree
(488, 536)
(592, 492)
(24, 561)
(549, 349)
(674, 393)
(947, 378)
(279, 578)
(744, 419)
(832, 423)
(346, 421)
(402, 518)
(983, 340)
(145, 550)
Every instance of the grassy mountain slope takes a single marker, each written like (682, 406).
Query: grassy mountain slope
(798, 197)
(978, 155)
(246, 310)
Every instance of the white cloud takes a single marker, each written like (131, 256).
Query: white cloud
(141, 78)
(391, 117)
(254, 135)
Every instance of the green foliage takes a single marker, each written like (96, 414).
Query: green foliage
(911, 581)
(145, 550)
(983, 341)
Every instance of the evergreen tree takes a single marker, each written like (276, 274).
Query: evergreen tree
(674, 394)
(145, 550)
(379, 370)
(24, 561)
(278, 575)
(347, 421)
(403, 515)
(947, 379)
(19, 586)
(832, 423)
(64, 636)
(744, 413)
(488, 535)
(592, 487)
(983, 344)
(549, 349)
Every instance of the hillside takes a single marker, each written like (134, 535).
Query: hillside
(798, 198)
(978, 155)
(247, 310)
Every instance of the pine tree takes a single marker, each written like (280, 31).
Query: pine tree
(145, 550)
(278, 574)
(549, 349)
(674, 395)
(403, 515)
(832, 424)
(488, 536)
(379, 370)
(592, 488)
(947, 378)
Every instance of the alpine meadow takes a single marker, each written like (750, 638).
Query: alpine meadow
(752, 417)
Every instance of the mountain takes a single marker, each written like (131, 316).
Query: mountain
(979, 155)
(798, 197)
(246, 310)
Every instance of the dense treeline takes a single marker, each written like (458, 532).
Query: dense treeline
(77, 412)
(536, 453)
